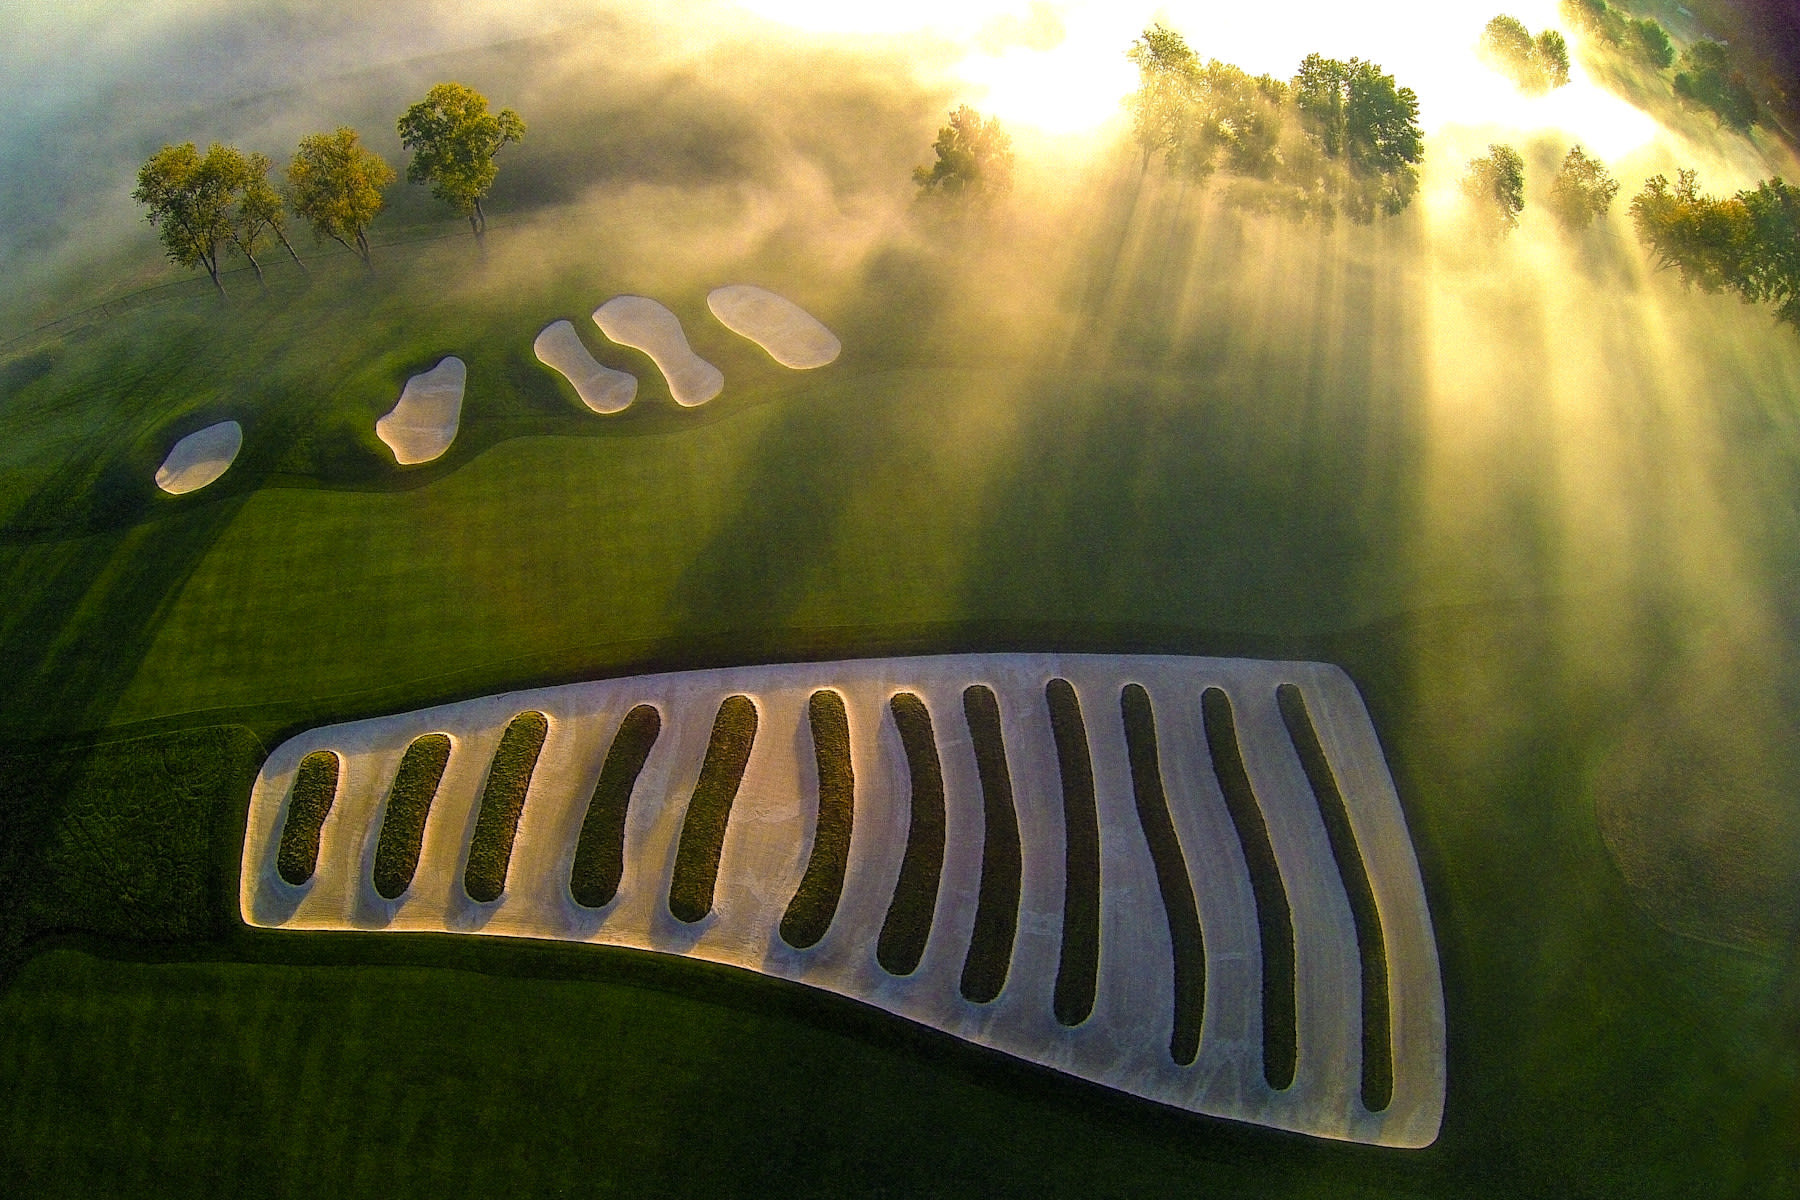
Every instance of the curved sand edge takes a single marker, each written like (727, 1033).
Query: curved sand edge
(423, 423)
(601, 388)
(200, 458)
(643, 324)
(792, 336)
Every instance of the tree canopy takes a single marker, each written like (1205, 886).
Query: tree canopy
(1708, 79)
(1168, 73)
(1582, 190)
(974, 158)
(1495, 183)
(191, 198)
(1748, 243)
(454, 139)
(1535, 64)
(336, 183)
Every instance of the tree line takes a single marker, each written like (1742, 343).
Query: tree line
(204, 206)
(1708, 77)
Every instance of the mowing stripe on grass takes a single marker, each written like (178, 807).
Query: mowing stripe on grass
(997, 906)
(502, 800)
(709, 811)
(409, 803)
(1274, 919)
(1377, 1051)
(315, 787)
(1185, 939)
(907, 925)
(815, 902)
(1077, 970)
(600, 850)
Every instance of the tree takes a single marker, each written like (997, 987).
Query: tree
(1553, 54)
(1772, 271)
(336, 184)
(1168, 75)
(190, 199)
(1593, 17)
(1535, 64)
(1705, 238)
(1496, 183)
(1359, 115)
(1710, 81)
(974, 158)
(1650, 42)
(1582, 190)
(454, 138)
(260, 208)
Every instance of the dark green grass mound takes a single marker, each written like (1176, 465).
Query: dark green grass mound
(315, 787)
(119, 839)
(1077, 971)
(709, 811)
(509, 777)
(600, 848)
(1171, 872)
(409, 803)
(815, 902)
(997, 905)
(907, 926)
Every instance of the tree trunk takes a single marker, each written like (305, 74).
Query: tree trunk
(290, 249)
(478, 220)
(211, 263)
(257, 267)
(362, 248)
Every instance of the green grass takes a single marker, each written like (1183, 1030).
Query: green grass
(502, 800)
(315, 787)
(600, 847)
(815, 901)
(997, 903)
(1078, 962)
(709, 809)
(408, 806)
(907, 926)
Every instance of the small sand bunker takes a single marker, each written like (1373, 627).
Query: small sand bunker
(423, 424)
(601, 388)
(792, 336)
(199, 458)
(643, 324)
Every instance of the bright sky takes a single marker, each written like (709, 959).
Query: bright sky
(1060, 66)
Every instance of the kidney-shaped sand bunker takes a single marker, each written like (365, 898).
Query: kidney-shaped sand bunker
(792, 336)
(199, 458)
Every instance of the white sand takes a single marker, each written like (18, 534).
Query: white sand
(1123, 1044)
(199, 458)
(643, 324)
(792, 336)
(601, 388)
(423, 424)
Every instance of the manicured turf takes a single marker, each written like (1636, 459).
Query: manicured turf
(815, 901)
(1079, 960)
(315, 787)
(600, 848)
(502, 800)
(907, 927)
(997, 903)
(709, 809)
(408, 807)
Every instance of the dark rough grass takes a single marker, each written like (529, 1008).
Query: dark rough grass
(997, 904)
(502, 800)
(408, 805)
(600, 848)
(709, 811)
(815, 901)
(1371, 946)
(315, 787)
(1172, 879)
(1274, 918)
(1077, 971)
(907, 926)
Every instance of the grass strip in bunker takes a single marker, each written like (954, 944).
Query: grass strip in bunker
(815, 902)
(1185, 939)
(997, 904)
(502, 800)
(409, 803)
(907, 926)
(1377, 1047)
(709, 811)
(315, 787)
(1077, 970)
(1274, 919)
(600, 847)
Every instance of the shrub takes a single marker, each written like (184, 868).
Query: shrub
(315, 787)
(502, 800)
(409, 804)
(815, 902)
(907, 926)
(997, 906)
(600, 849)
(709, 811)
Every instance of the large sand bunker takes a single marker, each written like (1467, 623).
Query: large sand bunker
(601, 388)
(423, 424)
(643, 324)
(792, 336)
(1327, 853)
(199, 458)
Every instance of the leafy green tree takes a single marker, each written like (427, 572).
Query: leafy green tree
(1583, 190)
(1496, 183)
(454, 138)
(1236, 117)
(1535, 64)
(1650, 42)
(1593, 17)
(974, 158)
(1168, 78)
(1771, 273)
(1709, 80)
(260, 208)
(190, 198)
(1553, 55)
(336, 184)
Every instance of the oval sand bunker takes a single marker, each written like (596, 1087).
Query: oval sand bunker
(601, 388)
(423, 424)
(199, 458)
(643, 324)
(792, 336)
